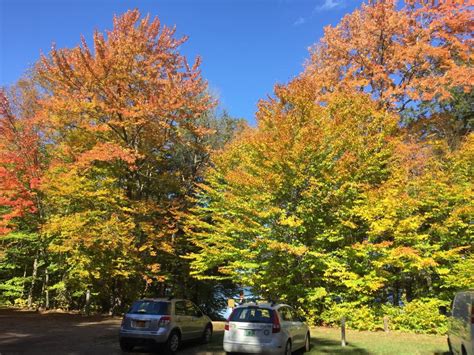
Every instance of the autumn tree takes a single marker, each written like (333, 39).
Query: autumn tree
(124, 122)
(278, 209)
(20, 169)
(22, 164)
(337, 201)
(403, 57)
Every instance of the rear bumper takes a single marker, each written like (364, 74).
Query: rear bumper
(159, 336)
(263, 348)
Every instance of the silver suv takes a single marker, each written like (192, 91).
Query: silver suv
(163, 321)
(265, 328)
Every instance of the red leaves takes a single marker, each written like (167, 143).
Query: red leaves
(20, 169)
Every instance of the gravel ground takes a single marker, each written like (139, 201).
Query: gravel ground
(25, 332)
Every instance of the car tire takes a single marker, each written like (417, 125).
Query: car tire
(288, 348)
(126, 345)
(307, 343)
(173, 343)
(207, 334)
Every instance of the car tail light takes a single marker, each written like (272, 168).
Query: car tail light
(164, 321)
(226, 326)
(276, 323)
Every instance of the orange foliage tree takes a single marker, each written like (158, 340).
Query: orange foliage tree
(125, 123)
(402, 57)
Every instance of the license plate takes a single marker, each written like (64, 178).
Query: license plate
(250, 333)
(140, 324)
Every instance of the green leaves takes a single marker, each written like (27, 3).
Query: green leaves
(343, 204)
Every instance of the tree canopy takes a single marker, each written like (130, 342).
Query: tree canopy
(352, 195)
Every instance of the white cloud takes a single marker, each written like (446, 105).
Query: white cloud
(299, 21)
(329, 4)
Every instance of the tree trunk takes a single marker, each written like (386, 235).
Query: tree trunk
(46, 290)
(24, 289)
(396, 294)
(88, 301)
(112, 299)
(409, 289)
(33, 280)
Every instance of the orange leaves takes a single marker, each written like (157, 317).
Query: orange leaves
(106, 152)
(135, 78)
(280, 247)
(413, 54)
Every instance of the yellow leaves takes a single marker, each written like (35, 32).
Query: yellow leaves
(143, 248)
(366, 284)
(443, 271)
(349, 224)
(154, 268)
(409, 258)
(291, 221)
(297, 250)
(314, 295)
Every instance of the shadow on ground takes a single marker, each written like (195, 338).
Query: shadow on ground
(326, 346)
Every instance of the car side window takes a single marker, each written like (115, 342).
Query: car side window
(180, 308)
(192, 310)
(285, 314)
(294, 317)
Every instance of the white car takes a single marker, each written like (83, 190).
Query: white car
(461, 324)
(265, 328)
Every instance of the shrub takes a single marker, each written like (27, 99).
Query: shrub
(358, 316)
(418, 316)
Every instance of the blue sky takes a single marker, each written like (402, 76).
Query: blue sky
(246, 46)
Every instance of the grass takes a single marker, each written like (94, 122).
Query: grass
(328, 341)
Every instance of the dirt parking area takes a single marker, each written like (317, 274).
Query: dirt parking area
(23, 332)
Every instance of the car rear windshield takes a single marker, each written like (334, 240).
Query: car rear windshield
(252, 315)
(150, 307)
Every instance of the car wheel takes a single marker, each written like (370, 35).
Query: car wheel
(126, 345)
(173, 342)
(207, 334)
(288, 347)
(307, 343)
